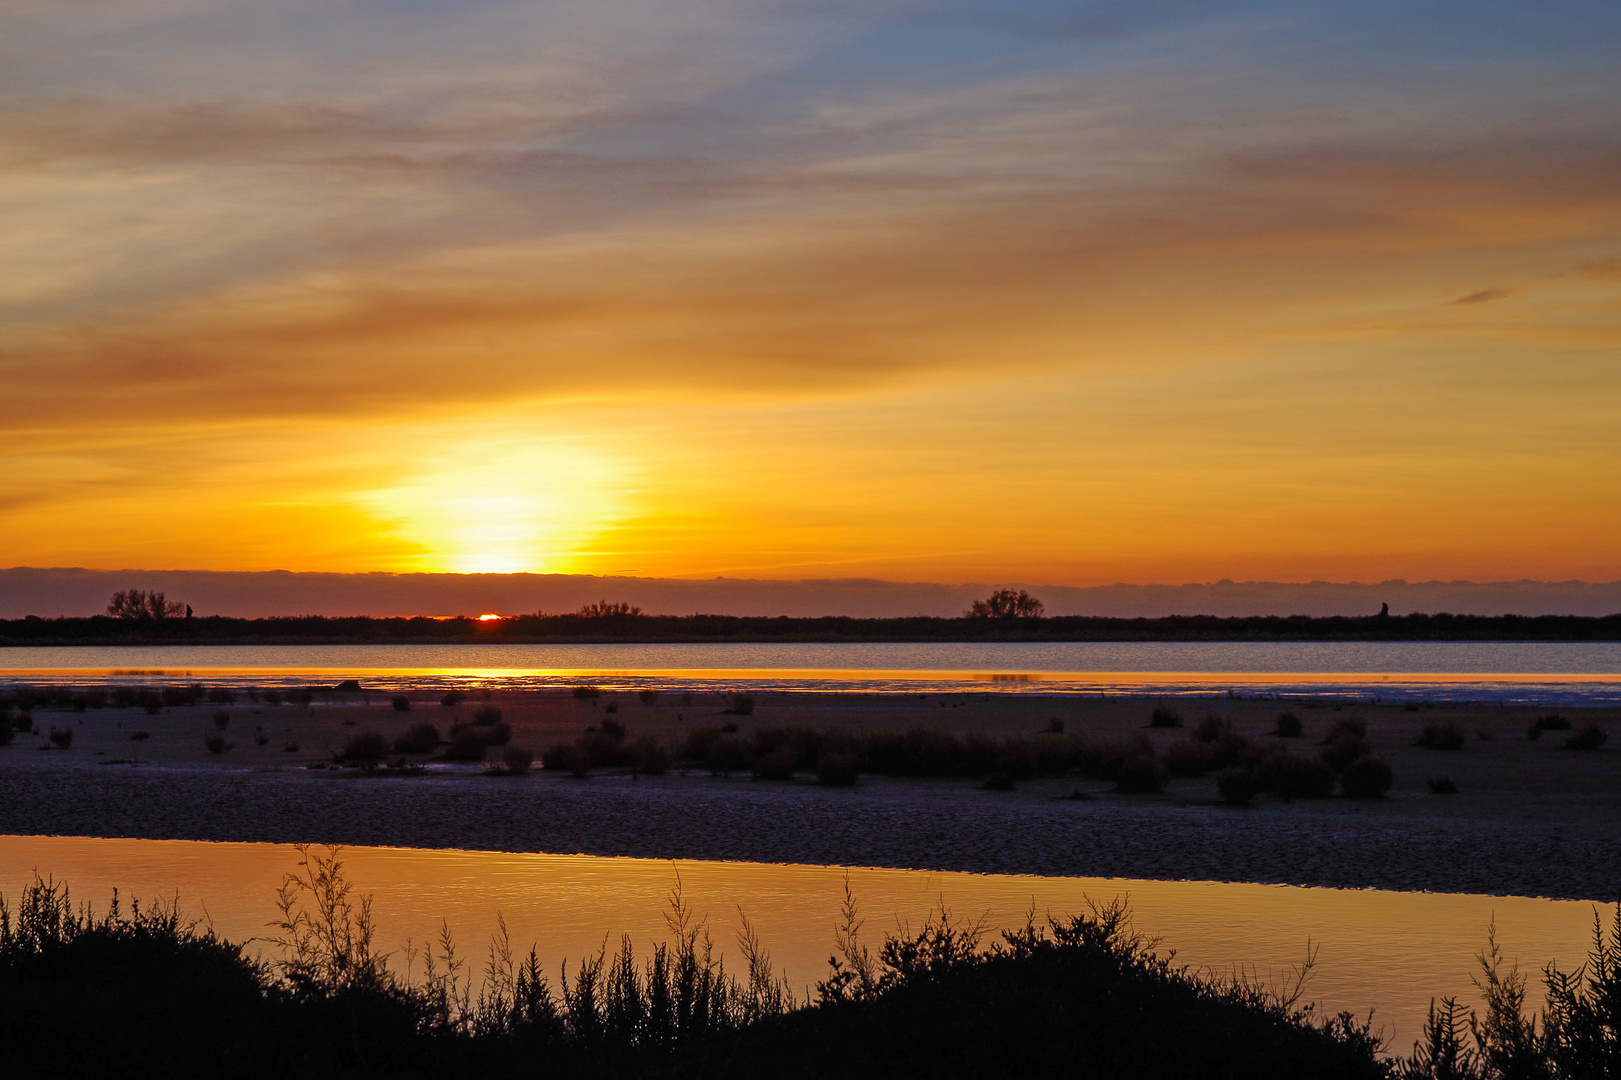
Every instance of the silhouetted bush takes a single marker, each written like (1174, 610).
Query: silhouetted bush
(401, 703)
(1344, 749)
(1288, 726)
(1366, 778)
(1589, 737)
(1237, 787)
(466, 744)
(221, 695)
(999, 781)
(62, 737)
(1295, 776)
(452, 699)
(650, 756)
(1441, 785)
(1190, 758)
(516, 760)
(420, 738)
(837, 766)
(739, 704)
(272, 696)
(613, 729)
(648, 696)
(216, 744)
(486, 716)
(363, 747)
(1440, 737)
(1141, 776)
(221, 718)
(7, 732)
(1212, 728)
(1553, 722)
(587, 693)
(1164, 716)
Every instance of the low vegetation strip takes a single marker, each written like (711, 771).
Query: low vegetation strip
(582, 627)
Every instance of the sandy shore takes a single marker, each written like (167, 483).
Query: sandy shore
(1530, 819)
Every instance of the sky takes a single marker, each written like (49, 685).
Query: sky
(1070, 292)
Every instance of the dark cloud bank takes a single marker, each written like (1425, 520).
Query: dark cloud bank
(52, 592)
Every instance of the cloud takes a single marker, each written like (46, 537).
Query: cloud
(1484, 296)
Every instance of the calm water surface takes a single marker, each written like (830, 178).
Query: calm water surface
(1383, 950)
(1516, 672)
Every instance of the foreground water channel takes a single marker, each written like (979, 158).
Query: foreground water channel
(1388, 951)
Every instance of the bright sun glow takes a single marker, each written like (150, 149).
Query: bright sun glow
(489, 618)
(503, 505)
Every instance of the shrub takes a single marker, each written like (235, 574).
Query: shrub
(1345, 749)
(1055, 726)
(1590, 737)
(1440, 737)
(221, 695)
(1553, 722)
(611, 708)
(1164, 717)
(648, 697)
(999, 781)
(1237, 786)
(516, 760)
(1212, 728)
(587, 693)
(739, 705)
(1349, 726)
(838, 766)
(1141, 776)
(7, 732)
(62, 737)
(728, 728)
(486, 716)
(420, 738)
(1190, 758)
(613, 729)
(272, 696)
(260, 738)
(1288, 726)
(1366, 778)
(291, 747)
(364, 746)
(401, 703)
(727, 756)
(776, 764)
(466, 744)
(221, 718)
(1534, 732)
(216, 744)
(1296, 776)
(1441, 785)
(452, 699)
(651, 756)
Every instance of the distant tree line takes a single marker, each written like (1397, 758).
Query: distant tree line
(631, 626)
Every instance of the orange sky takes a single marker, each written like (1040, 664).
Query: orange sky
(1160, 292)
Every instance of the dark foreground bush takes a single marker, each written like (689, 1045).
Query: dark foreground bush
(1288, 726)
(1366, 778)
(1589, 737)
(1082, 996)
(365, 748)
(1440, 737)
(1164, 717)
(420, 738)
(1237, 786)
(1142, 776)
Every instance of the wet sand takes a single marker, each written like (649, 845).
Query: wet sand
(1530, 818)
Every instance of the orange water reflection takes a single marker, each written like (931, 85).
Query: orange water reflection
(1386, 950)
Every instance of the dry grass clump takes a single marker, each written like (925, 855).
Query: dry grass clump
(420, 738)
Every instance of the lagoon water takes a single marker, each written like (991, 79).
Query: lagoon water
(1511, 672)
(1387, 951)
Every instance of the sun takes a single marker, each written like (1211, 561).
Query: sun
(503, 506)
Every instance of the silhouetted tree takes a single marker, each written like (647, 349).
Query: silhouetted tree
(144, 606)
(603, 609)
(1007, 604)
